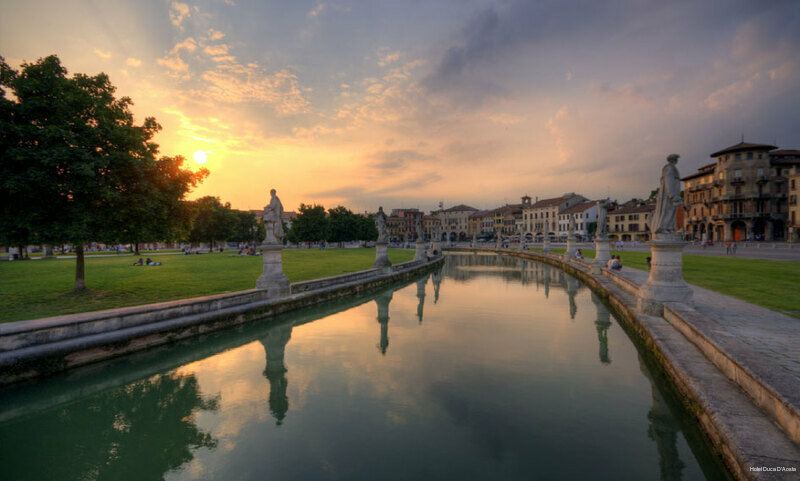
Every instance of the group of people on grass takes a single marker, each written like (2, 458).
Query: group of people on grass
(148, 262)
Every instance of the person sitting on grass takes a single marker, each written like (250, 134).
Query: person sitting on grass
(616, 263)
(138, 263)
(150, 262)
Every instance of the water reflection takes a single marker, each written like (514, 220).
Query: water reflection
(603, 322)
(275, 346)
(467, 394)
(141, 430)
(421, 297)
(382, 301)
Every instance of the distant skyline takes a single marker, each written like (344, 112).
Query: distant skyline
(405, 104)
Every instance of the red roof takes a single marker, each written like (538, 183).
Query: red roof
(741, 147)
(633, 208)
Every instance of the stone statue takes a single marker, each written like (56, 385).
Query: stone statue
(437, 232)
(668, 199)
(273, 220)
(572, 227)
(420, 233)
(380, 223)
(602, 212)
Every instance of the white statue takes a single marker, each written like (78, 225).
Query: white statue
(668, 200)
(420, 233)
(273, 223)
(380, 222)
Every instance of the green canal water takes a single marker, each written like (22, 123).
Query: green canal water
(492, 368)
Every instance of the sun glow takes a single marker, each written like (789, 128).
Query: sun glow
(200, 157)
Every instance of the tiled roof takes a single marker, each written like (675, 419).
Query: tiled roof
(460, 208)
(785, 158)
(742, 146)
(633, 209)
(555, 201)
(480, 213)
(579, 207)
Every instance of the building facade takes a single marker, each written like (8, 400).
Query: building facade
(541, 217)
(455, 222)
(630, 221)
(585, 215)
(793, 181)
(743, 195)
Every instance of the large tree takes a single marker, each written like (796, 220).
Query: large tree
(214, 221)
(310, 224)
(76, 168)
(248, 229)
(342, 225)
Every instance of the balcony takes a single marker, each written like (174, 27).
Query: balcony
(737, 180)
(762, 179)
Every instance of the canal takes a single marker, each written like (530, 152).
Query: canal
(492, 368)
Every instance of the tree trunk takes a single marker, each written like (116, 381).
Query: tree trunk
(136, 249)
(80, 283)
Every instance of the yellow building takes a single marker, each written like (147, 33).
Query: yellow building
(629, 222)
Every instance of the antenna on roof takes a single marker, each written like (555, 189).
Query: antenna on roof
(742, 138)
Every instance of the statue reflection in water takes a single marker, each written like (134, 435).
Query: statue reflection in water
(382, 301)
(275, 346)
(602, 323)
(421, 296)
(436, 278)
(663, 430)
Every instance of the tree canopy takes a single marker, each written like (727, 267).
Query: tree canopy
(76, 168)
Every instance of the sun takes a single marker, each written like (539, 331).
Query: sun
(200, 157)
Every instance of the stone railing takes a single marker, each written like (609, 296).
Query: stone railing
(39, 346)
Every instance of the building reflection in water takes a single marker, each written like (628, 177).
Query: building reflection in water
(382, 301)
(275, 346)
(602, 323)
(421, 296)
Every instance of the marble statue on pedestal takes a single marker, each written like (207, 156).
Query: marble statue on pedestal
(663, 220)
(380, 223)
(420, 232)
(273, 220)
(602, 213)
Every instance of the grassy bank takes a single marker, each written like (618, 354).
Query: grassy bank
(41, 288)
(772, 284)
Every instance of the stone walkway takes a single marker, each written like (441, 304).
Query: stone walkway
(774, 335)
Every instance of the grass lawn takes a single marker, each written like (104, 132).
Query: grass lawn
(41, 288)
(772, 284)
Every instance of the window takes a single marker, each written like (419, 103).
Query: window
(737, 157)
(749, 156)
(737, 174)
(759, 155)
(760, 172)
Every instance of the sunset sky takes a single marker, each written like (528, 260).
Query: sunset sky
(408, 103)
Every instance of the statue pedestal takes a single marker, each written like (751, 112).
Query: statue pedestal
(569, 253)
(419, 253)
(521, 244)
(602, 254)
(381, 257)
(546, 244)
(272, 279)
(437, 246)
(665, 283)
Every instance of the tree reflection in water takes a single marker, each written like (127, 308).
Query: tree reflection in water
(143, 429)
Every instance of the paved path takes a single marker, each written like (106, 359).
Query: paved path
(775, 336)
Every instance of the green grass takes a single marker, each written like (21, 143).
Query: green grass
(39, 288)
(771, 284)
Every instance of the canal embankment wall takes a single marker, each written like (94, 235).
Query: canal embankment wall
(746, 405)
(44, 346)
